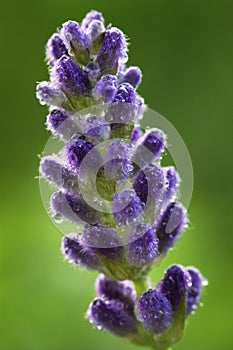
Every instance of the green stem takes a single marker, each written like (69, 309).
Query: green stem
(140, 285)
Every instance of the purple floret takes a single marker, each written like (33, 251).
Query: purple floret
(133, 76)
(173, 181)
(76, 253)
(97, 129)
(48, 94)
(91, 16)
(194, 289)
(74, 38)
(112, 316)
(174, 285)
(170, 225)
(150, 149)
(103, 240)
(55, 49)
(149, 185)
(113, 50)
(77, 150)
(69, 77)
(83, 211)
(106, 88)
(52, 170)
(126, 207)
(114, 290)
(143, 246)
(155, 311)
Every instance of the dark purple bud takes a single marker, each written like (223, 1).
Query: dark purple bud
(62, 124)
(47, 94)
(76, 253)
(174, 285)
(118, 165)
(52, 169)
(155, 311)
(127, 207)
(76, 41)
(125, 93)
(103, 240)
(113, 317)
(151, 148)
(69, 77)
(95, 34)
(150, 185)
(113, 51)
(106, 88)
(61, 209)
(55, 49)
(93, 71)
(77, 151)
(124, 106)
(97, 129)
(194, 289)
(114, 290)
(171, 223)
(83, 211)
(136, 134)
(143, 246)
(173, 181)
(91, 16)
(133, 76)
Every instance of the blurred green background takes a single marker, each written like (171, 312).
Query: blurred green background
(185, 51)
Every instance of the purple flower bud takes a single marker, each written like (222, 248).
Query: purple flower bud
(95, 32)
(125, 93)
(62, 124)
(55, 49)
(173, 181)
(113, 51)
(97, 129)
(194, 289)
(114, 290)
(149, 185)
(103, 240)
(106, 88)
(77, 151)
(133, 76)
(48, 94)
(155, 311)
(136, 134)
(76, 41)
(170, 225)
(113, 317)
(126, 207)
(91, 16)
(143, 246)
(83, 211)
(118, 165)
(78, 254)
(61, 209)
(93, 71)
(124, 106)
(69, 77)
(52, 170)
(151, 147)
(174, 285)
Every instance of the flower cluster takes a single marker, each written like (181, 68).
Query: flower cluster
(108, 181)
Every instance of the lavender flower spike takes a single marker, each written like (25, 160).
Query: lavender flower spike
(108, 162)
